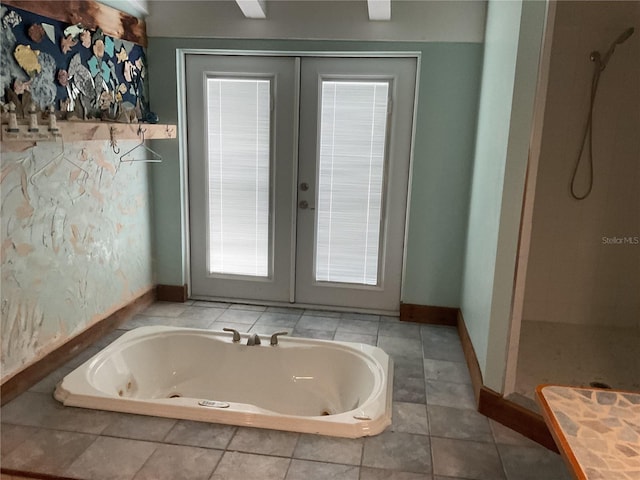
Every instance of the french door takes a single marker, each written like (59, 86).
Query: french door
(298, 171)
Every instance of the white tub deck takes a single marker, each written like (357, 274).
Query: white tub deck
(301, 385)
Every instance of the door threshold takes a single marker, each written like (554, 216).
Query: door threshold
(329, 308)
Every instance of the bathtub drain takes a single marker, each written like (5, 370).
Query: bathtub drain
(175, 395)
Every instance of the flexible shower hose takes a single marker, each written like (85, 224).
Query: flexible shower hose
(588, 132)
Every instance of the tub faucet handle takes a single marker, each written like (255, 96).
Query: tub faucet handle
(274, 338)
(236, 334)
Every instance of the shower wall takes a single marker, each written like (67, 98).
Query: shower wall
(584, 263)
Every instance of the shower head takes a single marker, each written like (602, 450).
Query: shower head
(604, 59)
(624, 36)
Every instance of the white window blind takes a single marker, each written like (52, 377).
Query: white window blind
(351, 169)
(238, 131)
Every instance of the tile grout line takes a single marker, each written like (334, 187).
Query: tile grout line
(426, 406)
(217, 465)
(157, 445)
(97, 436)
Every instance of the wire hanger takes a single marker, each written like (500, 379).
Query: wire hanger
(156, 159)
(63, 156)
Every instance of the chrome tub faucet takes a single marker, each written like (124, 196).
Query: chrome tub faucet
(254, 338)
(274, 338)
(236, 334)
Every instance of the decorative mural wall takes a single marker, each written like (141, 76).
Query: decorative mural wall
(82, 73)
(75, 243)
(75, 239)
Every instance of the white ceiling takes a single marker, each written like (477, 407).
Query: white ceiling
(414, 20)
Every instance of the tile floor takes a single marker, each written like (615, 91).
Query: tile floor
(436, 433)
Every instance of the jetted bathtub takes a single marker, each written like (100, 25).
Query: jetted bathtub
(302, 385)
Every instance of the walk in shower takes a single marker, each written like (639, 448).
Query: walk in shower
(581, 307)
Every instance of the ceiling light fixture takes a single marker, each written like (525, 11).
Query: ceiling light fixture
(379, 9)
(253, 8)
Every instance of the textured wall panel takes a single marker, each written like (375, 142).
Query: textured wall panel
(75, 243)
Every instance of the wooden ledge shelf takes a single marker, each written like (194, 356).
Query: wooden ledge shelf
(84, 132)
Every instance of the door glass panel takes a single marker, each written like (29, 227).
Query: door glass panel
(353, 126)
(238, 136)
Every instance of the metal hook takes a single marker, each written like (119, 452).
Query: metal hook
(113, 141)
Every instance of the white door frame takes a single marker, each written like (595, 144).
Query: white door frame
(524, 243)
(181, 54)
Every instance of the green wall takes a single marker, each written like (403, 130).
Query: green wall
(442, 164)
(513, 39)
